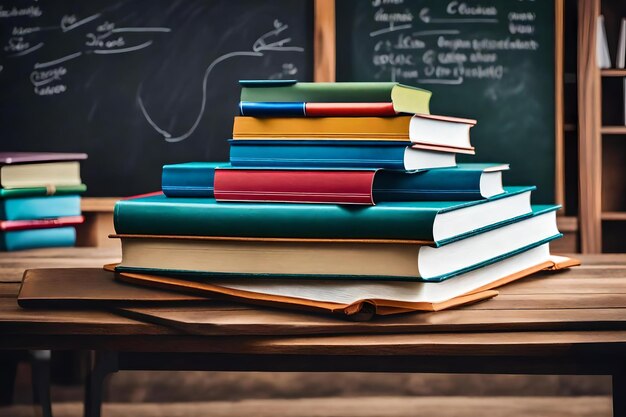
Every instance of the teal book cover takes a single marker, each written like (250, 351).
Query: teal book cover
(33, 208)
(423, 221)
(37, 238)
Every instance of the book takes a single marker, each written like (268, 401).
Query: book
(361, 300)
(302, 109)
(405, 99)
(10, 225)
(37, 238)
(428, 222)
(198, 257)
(39, 169)
(340, 154)
(226, 183)
(620, 61)
(32, 208)
(42, 191)
(450, 134)
(603, 58)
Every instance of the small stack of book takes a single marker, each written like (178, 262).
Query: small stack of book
(40, 199)
(336, 200)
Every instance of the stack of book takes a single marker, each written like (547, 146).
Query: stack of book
(336, 200)
(39, 199)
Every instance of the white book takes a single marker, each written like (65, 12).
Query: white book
(621, 46)
(602, 47)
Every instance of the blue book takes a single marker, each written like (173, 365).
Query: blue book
(339, 154)
(462, 183)
(37, 238)
(39, 207)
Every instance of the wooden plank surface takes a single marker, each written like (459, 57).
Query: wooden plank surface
(588, 406)
(13, 264)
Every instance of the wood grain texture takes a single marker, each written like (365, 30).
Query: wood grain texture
(324, 41)
(460, 406)
(589, 120)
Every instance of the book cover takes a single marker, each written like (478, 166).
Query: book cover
(301, 109)
(339, 154)
(8, 158)
(226, 183)
(32, 208)
(424, 221)
(42, 191)
(11, 225)
(429, 130)
(37, 238)
(303, 259)
(404, 98)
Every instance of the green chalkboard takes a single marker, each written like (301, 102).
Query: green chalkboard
(491, 60)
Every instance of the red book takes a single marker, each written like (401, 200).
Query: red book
(12, 225)
(338, 187)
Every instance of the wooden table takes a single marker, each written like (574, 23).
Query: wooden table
(567, 323)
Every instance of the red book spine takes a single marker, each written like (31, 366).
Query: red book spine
(349, 109)
(294, 186)
(12, 225)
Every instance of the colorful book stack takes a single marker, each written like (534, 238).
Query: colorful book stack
(336, 200)
(40, 199)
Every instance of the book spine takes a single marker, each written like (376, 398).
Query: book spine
(295, 186)
(353, 128)
(185, 181)
(41, 207)
(431, 185)
(320, 92)
(316, 109)
(38, 238)
(197, 218)
(12, 225)
(287, 155)
(265, 109)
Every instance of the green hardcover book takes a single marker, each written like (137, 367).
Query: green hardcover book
(405, 99)
(428, 222)
(42, 191)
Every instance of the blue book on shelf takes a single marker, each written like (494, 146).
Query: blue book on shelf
(338, 154)
(33, 208)
(37, 238)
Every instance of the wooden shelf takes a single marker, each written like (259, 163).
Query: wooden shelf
(614, 215)
(613, 72)
(98, 204)
(613, 130)
(567, 224)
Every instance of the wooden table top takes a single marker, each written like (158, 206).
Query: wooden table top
(581, 311)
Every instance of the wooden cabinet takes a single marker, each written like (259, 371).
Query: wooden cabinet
(602, 132)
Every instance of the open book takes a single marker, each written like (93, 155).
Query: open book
(361, 300)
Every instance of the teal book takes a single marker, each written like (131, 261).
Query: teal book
(430, 222)
(37, 238)
(33, 208)
(396, 260)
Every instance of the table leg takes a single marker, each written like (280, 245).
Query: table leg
(619, 391)
(104, 364)
(8, 371)
(40, 365)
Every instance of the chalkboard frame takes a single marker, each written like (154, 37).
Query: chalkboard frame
(325, 70)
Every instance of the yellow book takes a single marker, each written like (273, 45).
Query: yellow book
(449, 134)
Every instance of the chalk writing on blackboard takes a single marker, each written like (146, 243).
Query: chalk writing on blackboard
(102, 37)
(427, 44)
(271, 41)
